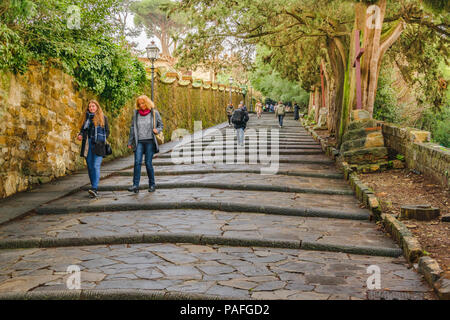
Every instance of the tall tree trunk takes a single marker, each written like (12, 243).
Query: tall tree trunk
(375, 45)
(318, 102)
(336, 56)
(349, 91)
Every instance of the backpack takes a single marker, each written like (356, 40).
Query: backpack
(281, 110)
(238, 117)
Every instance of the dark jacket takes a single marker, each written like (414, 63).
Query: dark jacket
(133, 139)
(100, 136)
(243, 124)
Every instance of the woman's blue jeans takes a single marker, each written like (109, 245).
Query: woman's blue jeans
(94, 163)
(280, 119)
(149, 150)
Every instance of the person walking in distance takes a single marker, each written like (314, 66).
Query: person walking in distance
(280, 112)
(258, 108)
(296, 111)
(145, 124)
(229, 110)
(240, 119)
(93, 134)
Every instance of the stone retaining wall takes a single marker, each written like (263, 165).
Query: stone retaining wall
(428, 158)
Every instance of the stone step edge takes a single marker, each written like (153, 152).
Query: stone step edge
(322, 162)
(247, 153)
(228, 186)
(220, 206)
(218, 171)
(197, 239)
(114, 294)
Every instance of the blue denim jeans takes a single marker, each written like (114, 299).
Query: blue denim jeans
(240, 136)
(93, 163)
(280, 119)
(149, 150)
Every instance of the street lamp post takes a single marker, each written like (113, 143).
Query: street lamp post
(244, 92)
(231, 84)
(152, 54)
(251, 99)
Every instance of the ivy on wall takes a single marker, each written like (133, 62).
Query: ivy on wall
(181, 104)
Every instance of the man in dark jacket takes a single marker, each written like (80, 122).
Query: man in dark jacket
(296, 111)
(240, 118)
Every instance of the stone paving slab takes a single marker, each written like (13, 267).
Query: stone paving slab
(198, 222)
(248, 273)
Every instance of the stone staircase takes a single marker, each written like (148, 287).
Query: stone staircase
(211, 230)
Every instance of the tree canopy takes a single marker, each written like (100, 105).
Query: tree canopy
(76, 35)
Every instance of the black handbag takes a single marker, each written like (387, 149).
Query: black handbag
(108, 149)
(102, 149)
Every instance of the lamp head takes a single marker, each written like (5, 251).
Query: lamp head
(152, 51)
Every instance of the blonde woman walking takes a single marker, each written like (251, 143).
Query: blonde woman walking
(93, 134)
(145, 124)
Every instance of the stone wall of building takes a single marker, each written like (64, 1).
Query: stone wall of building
(39, 116)
(428, 158)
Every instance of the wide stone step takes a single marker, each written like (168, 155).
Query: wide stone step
(202, 226)
(186, 269)
(216, 151)
(320, 168)
(236, 181)
(278, 203)
(228, 186)
(315, 181)
(198, 147)
(181, 172)
(265, 160)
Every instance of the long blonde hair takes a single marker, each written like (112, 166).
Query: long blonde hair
(99, 118)
(149, 103)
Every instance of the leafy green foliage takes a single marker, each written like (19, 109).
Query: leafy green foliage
(41, 32)
(152, 17)
(269, 82)
(386, 105)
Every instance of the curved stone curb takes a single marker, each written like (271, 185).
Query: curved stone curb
(115, 294)
(217, 171)
(197, 239)
(401, 234)
(327, 162)
(370, 251)
(435, 277)
(229, 186)
(206, 205)
(412, 249)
